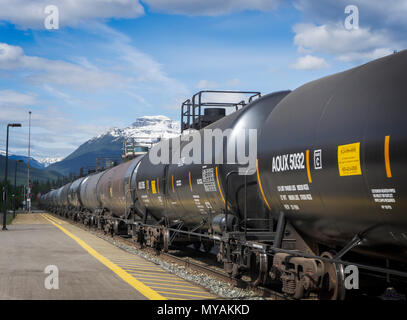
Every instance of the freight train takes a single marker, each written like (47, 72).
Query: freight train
(327, 190)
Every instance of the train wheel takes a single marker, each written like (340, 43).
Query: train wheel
(333, 280)
(197, 245)
(236, 273)
(140, 240)
(258, 268)
(228, 267)
(166, 240)
(207, 245)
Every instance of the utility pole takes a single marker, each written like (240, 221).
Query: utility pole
(15, 188)
(25, 199)
(5, 177)
(28, 165)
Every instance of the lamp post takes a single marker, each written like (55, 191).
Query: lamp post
(28, 168)
(15, 188)
(5, 176)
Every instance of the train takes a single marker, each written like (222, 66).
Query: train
(326, 189)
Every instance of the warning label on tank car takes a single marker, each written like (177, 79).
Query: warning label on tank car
(384, 197)
(208, 179)
(153, 188)
(349, 159)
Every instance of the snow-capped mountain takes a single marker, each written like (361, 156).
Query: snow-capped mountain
(34, 163)
(109, 145)
(47, 161)
(145, 129)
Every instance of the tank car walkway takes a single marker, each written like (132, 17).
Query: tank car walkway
(88, 267)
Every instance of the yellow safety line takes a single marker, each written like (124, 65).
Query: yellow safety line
(173, 190)
(184, 294)
(155, 276)
(308, 168)
(160, 274)
(133, 270)
(134, 260)
(136, 284)
(175, 289)
(144, 267)
(190, 184)
(387, 155)
(53, 219)
(156, 282)
(137, 265)
(145, 277)
(261, 188)
(217, 180)
(56, 221)
(141, 267)
(133, 265)
(170, 282)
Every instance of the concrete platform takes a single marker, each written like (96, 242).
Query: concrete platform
(88, 267)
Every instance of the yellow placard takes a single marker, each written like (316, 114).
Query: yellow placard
(349, 159)
(153, 189)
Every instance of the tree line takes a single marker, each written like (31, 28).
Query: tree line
(38, 188)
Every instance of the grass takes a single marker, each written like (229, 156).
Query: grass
(10, 218)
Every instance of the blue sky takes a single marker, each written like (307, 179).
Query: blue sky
(112, 61)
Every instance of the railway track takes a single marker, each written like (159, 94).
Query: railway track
(195, 264)
(222, 276)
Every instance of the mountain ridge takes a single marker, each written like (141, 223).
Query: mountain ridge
(109, 145)
(38, 163)
(35, 173)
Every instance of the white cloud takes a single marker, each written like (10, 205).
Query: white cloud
(53, 132)
(57, 72)
(142, 67)
(206, 84)
(30, 14)
(14, 98)
(234, 82)
(148, 74)
(127, 71)
(382, 28)
(224, 97)
(309, 62)
(345, 45)
(391, 13)
(146, 68)
(210, 7)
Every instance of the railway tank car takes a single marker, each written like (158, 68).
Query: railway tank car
(336, 165)
(328, 184)
(74, 198)
(193, 196)
(63, 199)
(91, 203)
(116, 196)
